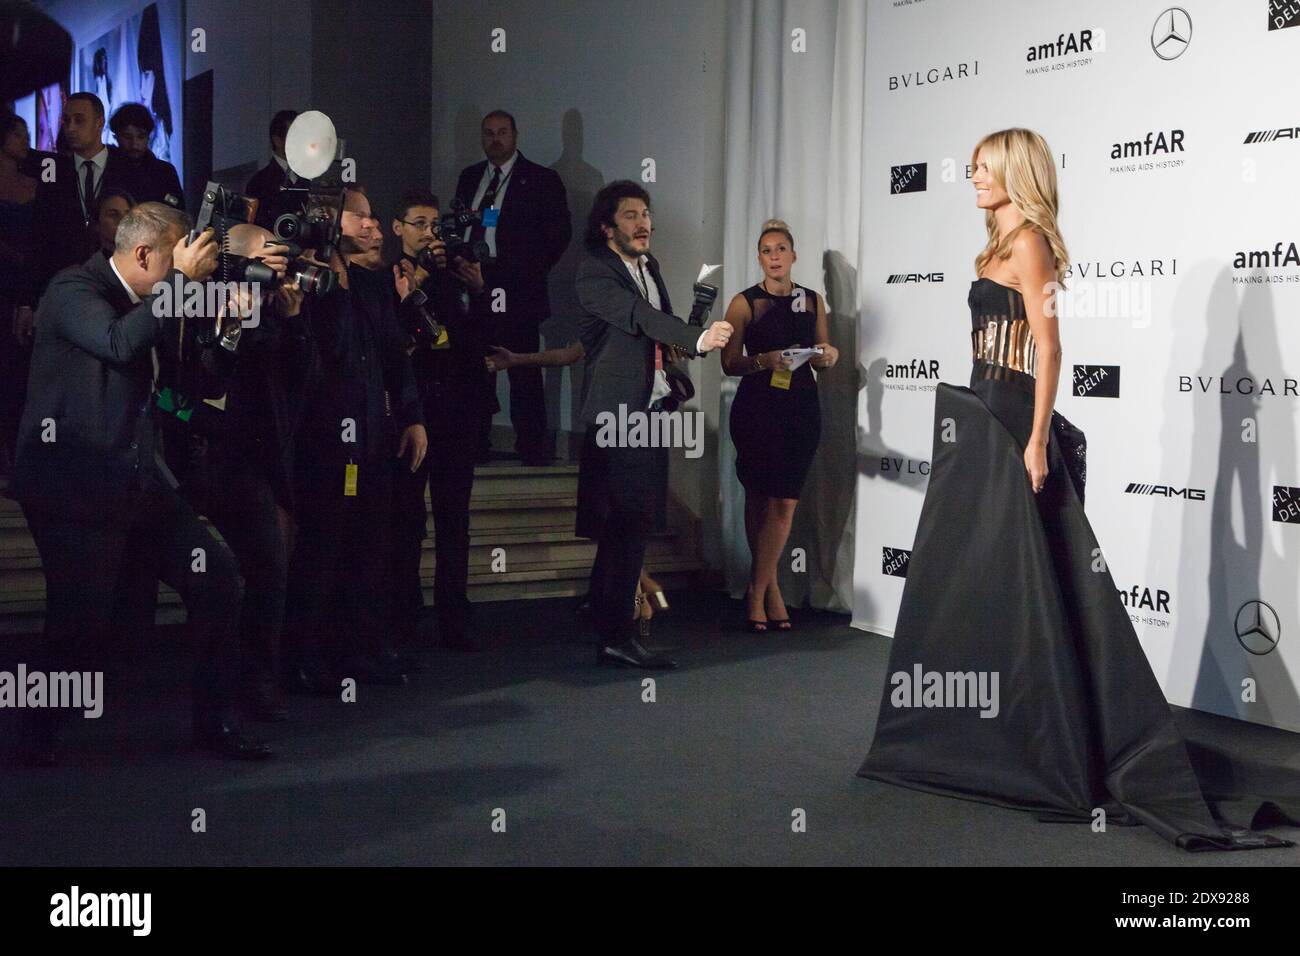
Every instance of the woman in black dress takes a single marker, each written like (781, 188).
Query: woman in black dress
(1015, 676)
(775, 417)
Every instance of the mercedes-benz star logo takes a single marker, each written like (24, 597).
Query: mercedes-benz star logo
(1171, 34)
(1258, 628)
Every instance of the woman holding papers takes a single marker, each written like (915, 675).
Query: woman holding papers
(780, 331)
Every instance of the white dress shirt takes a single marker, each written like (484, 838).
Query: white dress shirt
(289, 175)
(490, 234)
(646, 283)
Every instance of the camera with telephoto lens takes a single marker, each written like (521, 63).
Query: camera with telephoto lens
(420, 326)
(452, 229)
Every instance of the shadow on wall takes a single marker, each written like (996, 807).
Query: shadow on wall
(581, 183)
(1244, 557)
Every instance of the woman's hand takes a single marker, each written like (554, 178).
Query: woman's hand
(830, 355)
(500, 359)
(1036, 463)
(774, 360)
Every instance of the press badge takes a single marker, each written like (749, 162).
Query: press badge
(443, 342)
(350, 480)
(490, 216)
(781, 377)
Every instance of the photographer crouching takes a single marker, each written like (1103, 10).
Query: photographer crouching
(446, 324)
(101, 506)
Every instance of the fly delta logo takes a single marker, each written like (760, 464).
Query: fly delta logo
(894, 561)
(1283, 14)
(1266, 266)
(918, 375)
(909, 278)
(909, 178)
(1286, 504)
(1165, 491)
(1171, 34)
(1155, 150)
(1066, 52)
(934, 75)
(1096, 381)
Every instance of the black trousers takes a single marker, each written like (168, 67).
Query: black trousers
(448, 473)
(87, 565)
(338, 578)
(521, 335)
(618, 489)
(240, 501)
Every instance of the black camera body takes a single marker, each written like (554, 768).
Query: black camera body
(420, 326)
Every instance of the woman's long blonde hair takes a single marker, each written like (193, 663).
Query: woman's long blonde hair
(1021, 163)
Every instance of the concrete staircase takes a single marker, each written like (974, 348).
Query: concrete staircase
(526, 512)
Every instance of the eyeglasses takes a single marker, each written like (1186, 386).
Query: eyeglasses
(420, 225)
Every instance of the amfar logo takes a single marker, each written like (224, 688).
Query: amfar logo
(1165, 491)
(1258, 628)
(894, 561)
(1171, 34)
(1065, 52)
(1096, 381)
(1065, 44)
(1283, 14)
(1286, 504)
(1153, 144)
(903, 466)
(906, 278)
(937, 74)
(1143, 598)
(1264, 265)
(1272, 135)
(907, 179)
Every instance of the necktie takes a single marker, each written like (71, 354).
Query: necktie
(643, 285)
(489, 199)
(88, 190)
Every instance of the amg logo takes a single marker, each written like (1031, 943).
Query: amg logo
(1286, 504)
(1153, 144)
(1269, 135)
(917, 368)
(1166, 491)
(894, 561)
(1264, 259)
(905, 277)
(1065, 43)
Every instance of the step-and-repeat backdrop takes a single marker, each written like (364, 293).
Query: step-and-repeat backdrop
(1176, 135)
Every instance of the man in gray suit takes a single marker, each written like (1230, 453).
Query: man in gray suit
(630, 337)
(102, 508)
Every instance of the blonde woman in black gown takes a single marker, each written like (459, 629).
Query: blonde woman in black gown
(1007, 581)
(775, 417)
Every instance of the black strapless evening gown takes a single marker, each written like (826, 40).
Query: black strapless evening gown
(1003, 581)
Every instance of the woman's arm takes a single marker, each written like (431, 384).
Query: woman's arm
(830, 354)
(734, 361)
(503, 358)
(1035, 268)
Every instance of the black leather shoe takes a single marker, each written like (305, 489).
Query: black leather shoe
(226, 741)
(310, 681)
(630, 653)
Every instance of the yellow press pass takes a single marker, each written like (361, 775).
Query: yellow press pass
(781, 378)
(350, 479)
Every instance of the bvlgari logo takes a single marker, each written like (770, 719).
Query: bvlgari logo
(1258, 628)
(1122, 269)
(894, 561)
(908, 278)
(1283, 14)
(1096, 381)
(909, 178)
(1171, 34)
(1286, 504)
(933, 75)
(889, 466)
(1222, 385)
(1165, 491)
(1289, 133)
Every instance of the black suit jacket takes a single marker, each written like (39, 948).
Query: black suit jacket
(532, 233)
(87, 437)
(60, 236)
(264, 186)
(618, 329)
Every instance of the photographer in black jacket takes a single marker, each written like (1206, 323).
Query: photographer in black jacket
(447, 335)
(343, 453)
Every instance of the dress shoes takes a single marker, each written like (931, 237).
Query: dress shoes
(228, 741)
(630, 653)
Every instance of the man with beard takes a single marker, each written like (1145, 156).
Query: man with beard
(143, 175)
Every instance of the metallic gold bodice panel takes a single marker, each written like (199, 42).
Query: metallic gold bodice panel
(1005, 342)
